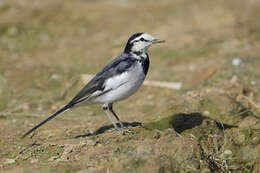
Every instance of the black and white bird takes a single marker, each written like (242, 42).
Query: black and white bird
(118, 80)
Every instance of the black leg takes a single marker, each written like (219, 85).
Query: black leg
(110, 107)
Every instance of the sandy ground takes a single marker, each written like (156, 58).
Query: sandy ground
(211, 124)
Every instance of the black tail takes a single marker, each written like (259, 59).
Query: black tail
(45, 121)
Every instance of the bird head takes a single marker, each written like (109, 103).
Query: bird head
(140, 42)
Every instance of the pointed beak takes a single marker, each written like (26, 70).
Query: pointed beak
(158, 41)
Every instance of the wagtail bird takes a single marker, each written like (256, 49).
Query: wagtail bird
(118, 80)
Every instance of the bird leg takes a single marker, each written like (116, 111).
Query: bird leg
(110, 107)
(105, 107)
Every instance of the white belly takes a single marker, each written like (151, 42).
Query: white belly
(121, 86)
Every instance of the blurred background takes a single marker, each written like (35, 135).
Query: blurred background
(212, 48)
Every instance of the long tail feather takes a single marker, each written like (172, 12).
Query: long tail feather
(62, 110)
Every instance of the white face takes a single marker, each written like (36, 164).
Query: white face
(142, 43)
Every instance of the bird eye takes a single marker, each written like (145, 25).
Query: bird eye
(142, 39)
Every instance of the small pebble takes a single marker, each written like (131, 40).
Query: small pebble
(227, 152)
(253, 82)
(206, 113)
(236, 62)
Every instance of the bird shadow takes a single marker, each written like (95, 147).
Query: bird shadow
(103, 129)
(182, 121)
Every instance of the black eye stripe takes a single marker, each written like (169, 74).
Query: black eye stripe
(141, 39)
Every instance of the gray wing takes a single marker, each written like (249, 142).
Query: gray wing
(117, 66)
